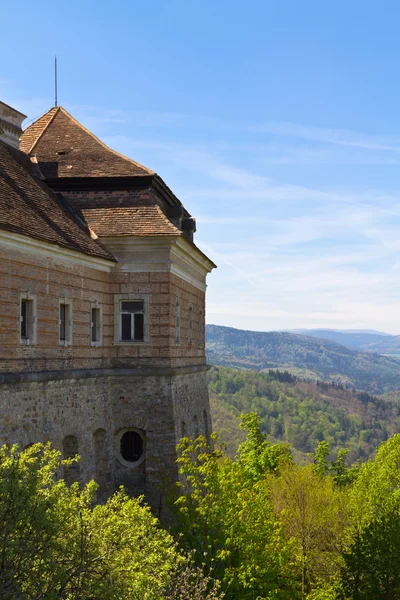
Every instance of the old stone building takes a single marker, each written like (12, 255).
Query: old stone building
(102, 307)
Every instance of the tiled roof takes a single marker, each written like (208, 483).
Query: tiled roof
(30, 208)
(65, 148)
(132, 220)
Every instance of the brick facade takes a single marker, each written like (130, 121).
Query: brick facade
(121, 404)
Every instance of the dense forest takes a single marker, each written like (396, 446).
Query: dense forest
(308, 357)
(256, 527)
(301, 413)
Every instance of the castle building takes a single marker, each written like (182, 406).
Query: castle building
(102, 307)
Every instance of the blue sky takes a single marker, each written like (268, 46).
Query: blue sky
(277, 123)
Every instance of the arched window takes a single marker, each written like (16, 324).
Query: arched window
(183, 429)
(195, 426)
(190, 325)
(70, 450)
(102, 465)
(206, 428)
(178, 323)
(131, 447)
(201, 341)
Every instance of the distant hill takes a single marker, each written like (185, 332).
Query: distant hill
(300, 413)
(368, 340)
(318, 358)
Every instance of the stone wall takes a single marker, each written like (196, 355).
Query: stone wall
(89, 413)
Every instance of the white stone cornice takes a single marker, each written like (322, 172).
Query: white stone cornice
(31, 245)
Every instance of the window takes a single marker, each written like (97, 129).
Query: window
(95, 324)
(177, 323)
(201, 327)
(131, 318)
(130, 447)
(27, 317)
(190, 325)
(132, 321)
(65, 321)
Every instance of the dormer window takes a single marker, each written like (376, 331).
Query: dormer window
(62, 153)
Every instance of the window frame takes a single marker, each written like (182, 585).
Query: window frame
(131, 297)
(30, 339)
(99, 329)
(177, 322)
(118, 438)
(68, 325)
(200, 326)
(190, 325)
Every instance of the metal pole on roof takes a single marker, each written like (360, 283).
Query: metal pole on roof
(55, 82)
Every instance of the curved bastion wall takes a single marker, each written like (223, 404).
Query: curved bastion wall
(90, 412)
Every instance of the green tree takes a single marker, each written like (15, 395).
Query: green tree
(225, 517)
(55, 544)
(372, 563)
(314, 515)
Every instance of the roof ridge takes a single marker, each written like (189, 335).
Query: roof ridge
(149, 171)
(57, 108)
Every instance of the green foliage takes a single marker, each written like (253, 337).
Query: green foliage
(55, 544)
(303, 414)
(340, 471)
(314, 513)
(225, 517)
(372, 563)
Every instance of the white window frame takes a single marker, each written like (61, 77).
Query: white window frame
(99, 330)
(190, 325)
(178, 322)
(68, 324)
(131, 297)
(32, 318)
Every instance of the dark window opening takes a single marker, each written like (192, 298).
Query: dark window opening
(132, 321)
(131, 446)
(24, 319)
(63, 322)
(95, 329)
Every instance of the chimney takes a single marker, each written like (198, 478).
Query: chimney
(10, 125)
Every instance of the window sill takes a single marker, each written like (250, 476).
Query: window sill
(95, 344)
(26, 342)
(132, 343)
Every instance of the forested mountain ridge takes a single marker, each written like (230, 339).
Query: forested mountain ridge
(300, 413)
(381, 343)
(315, 358)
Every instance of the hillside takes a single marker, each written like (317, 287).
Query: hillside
(300, 413)
(380, 343)
(315, 358)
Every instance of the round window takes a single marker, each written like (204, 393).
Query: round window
(131, 446)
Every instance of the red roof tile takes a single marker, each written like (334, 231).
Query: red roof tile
(132, 220)
(30, 208)
(65, 148)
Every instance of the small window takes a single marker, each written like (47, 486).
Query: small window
(177, 323)
(95, 325)
(190, 325)
(27, 314)
(132, 321)
(201, 327)
(65, 321)
(131, 446)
